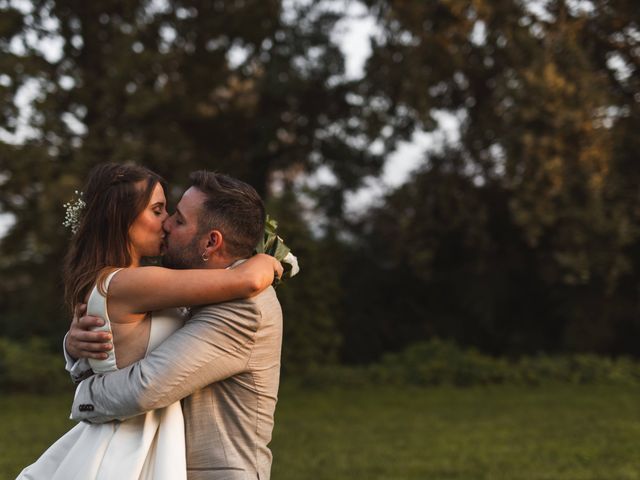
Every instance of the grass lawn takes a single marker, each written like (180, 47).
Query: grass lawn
(509, 433)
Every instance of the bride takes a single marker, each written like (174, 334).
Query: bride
(119, 223)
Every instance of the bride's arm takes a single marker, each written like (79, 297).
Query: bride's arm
(145, 289)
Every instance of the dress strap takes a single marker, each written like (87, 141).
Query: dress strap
(107, 280)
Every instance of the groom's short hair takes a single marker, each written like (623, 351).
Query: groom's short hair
(232, 207)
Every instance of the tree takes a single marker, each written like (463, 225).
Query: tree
(548, 107)
(244, 87)
(310, 301)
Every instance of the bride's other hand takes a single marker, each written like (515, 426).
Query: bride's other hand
(261, 270)
(82, 341)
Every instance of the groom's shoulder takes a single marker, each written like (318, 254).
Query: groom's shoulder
(265, 303)
(241, 307)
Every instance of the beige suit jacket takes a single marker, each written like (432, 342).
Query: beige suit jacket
(225, 364)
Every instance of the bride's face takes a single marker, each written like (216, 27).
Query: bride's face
(146, 234)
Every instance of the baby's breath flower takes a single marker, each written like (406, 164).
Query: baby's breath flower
(74, 212)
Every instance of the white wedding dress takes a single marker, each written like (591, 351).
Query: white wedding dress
(147, 447)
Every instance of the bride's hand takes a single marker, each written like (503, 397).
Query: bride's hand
(261, 270)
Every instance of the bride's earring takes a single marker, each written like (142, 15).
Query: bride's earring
(204, 256)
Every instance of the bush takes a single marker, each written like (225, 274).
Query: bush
(439, 362)
(578, 369)
(31, 368)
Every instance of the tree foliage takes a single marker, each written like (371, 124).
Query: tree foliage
(518, 234)
(251, 88)
(523, 235)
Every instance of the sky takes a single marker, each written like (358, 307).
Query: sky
(353, 35)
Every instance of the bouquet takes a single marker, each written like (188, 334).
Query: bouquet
(274, 245)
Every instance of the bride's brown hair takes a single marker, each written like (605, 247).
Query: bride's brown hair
(114, 196)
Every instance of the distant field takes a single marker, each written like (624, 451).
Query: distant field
(508, 433)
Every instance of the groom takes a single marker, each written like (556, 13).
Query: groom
(224, 363)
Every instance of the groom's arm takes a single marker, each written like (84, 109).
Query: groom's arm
(78, 368)
(214, 344)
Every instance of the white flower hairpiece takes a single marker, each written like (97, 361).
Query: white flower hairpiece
(74, 212)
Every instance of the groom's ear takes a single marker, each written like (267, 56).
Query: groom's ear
(215, 240)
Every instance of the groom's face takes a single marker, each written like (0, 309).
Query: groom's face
(183, 245)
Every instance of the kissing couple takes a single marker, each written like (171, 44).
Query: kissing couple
(180, 393)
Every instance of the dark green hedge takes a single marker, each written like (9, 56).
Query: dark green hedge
(439, 362)
(32, 368)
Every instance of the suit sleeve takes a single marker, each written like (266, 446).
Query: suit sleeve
(79, 369)
(213, 345)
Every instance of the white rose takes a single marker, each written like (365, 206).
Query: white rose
(292, 260)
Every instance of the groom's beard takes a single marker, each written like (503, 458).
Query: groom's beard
(183, 258)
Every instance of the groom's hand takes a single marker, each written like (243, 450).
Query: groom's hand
(82, 342)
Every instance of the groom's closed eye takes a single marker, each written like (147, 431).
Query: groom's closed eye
(179, 217)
